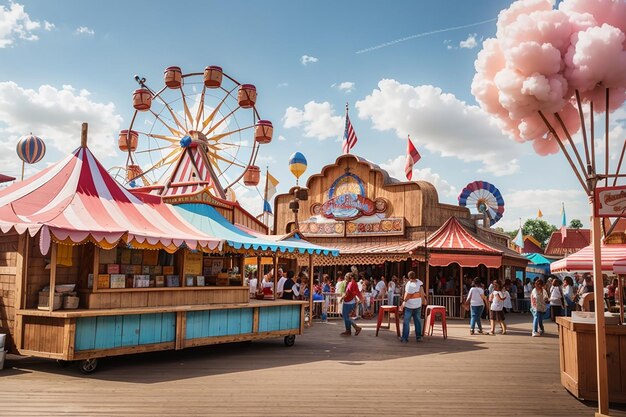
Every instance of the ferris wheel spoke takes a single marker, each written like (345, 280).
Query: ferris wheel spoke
(187, 112)
(171, 157)
(217, 108)
(170, 139)
(171, 129)
(218, 124)
(200, 111)
(154, 149)
(216, 138)
(173, 114)
(217, 157)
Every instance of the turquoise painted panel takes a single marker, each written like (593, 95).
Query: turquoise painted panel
(247, 319)
(105, 332)
(295, 317)
(233, 325)
(168, 327)
(85, 333)
(269, 319)
(119, 321)
(130, 330)
(218, 324)
(150, 329)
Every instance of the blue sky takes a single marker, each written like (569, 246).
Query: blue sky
(97, 47)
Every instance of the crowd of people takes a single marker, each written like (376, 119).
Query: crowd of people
(360, 296)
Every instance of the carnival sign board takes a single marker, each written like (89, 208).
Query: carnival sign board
(610, 201)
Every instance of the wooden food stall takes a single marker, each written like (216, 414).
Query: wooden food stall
(578, 358)
(90, 270)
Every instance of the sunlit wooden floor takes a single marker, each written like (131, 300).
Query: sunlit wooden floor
(323, 374)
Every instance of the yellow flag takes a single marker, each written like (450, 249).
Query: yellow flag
(539, 214)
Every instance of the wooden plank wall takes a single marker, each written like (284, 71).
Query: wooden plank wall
(244, 219)
(417, 201)
(159, 298)
(43, 334)
(8, 256)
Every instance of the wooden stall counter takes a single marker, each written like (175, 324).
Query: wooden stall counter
(577, 352)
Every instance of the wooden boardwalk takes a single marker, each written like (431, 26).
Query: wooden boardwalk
(323, 374)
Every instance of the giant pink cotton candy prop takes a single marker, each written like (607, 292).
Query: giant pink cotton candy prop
(541, 56)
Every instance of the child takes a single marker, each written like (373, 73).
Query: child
(497, 298)
(538, 300)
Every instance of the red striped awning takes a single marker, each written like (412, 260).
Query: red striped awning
(465, 260)
(76, 200)
(583, 259)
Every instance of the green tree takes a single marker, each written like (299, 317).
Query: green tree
(576, 224)
(539, 229)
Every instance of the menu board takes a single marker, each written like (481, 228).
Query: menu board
(193, 263)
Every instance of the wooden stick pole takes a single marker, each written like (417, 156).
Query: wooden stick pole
(621, 298)
(461, 311)
(83, 135)
(310, 289)
(53, 275)
(593, 139)
(564, 150)
(96, 267)
(584, 128)
(606, 139)
(275, 265)
(598, 288)
(619, 164)
(583, 168)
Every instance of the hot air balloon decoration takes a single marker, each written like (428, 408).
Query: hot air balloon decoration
(297, 165)
(30, 149)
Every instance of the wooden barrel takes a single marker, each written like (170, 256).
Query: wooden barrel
(213, 77)
(173, 77)
(142, 99)
(252, 176)
(263, 132)
(247, 95)
(127, 140)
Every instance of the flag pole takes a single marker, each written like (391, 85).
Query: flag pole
(344, 134)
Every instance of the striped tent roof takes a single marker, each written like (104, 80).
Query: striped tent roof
(453, 236)
(76, 200)
(583, 259)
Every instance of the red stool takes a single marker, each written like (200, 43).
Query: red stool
(381, 315)
(429, 322)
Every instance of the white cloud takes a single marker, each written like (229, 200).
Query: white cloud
(470, 42)
(282, 85)
(281, 138)
(395, 168)
(316, 119)
(525, 204)
(306, 59)
(48, 26)
(442, 123)
(84, 30)
(265, 160)
(15, 23)
(56, 116)
(346, 86)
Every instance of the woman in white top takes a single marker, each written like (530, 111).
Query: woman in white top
(556, 299)
(391, 291)
(476, 298)
(568, 295)
(497, 298)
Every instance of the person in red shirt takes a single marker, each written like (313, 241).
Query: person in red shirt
(349, 301)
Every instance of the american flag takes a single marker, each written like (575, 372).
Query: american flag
(349, 136)
(412, 156)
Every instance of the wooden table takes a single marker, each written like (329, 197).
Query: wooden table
(578, 359)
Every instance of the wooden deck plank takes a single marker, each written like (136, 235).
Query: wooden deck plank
(315, 377)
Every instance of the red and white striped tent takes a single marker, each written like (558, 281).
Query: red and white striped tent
(76, 200)
(451, 243)
(583, 259)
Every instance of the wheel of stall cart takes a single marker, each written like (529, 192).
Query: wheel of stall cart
(88, 366)
(63, 364)
(290, 340)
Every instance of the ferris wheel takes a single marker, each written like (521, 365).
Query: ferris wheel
(485, 198)
(209, 110)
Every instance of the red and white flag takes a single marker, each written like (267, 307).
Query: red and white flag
(349, 135)
(412, 156)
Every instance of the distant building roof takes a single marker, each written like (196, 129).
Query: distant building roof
(575, 240)
(531, 245)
